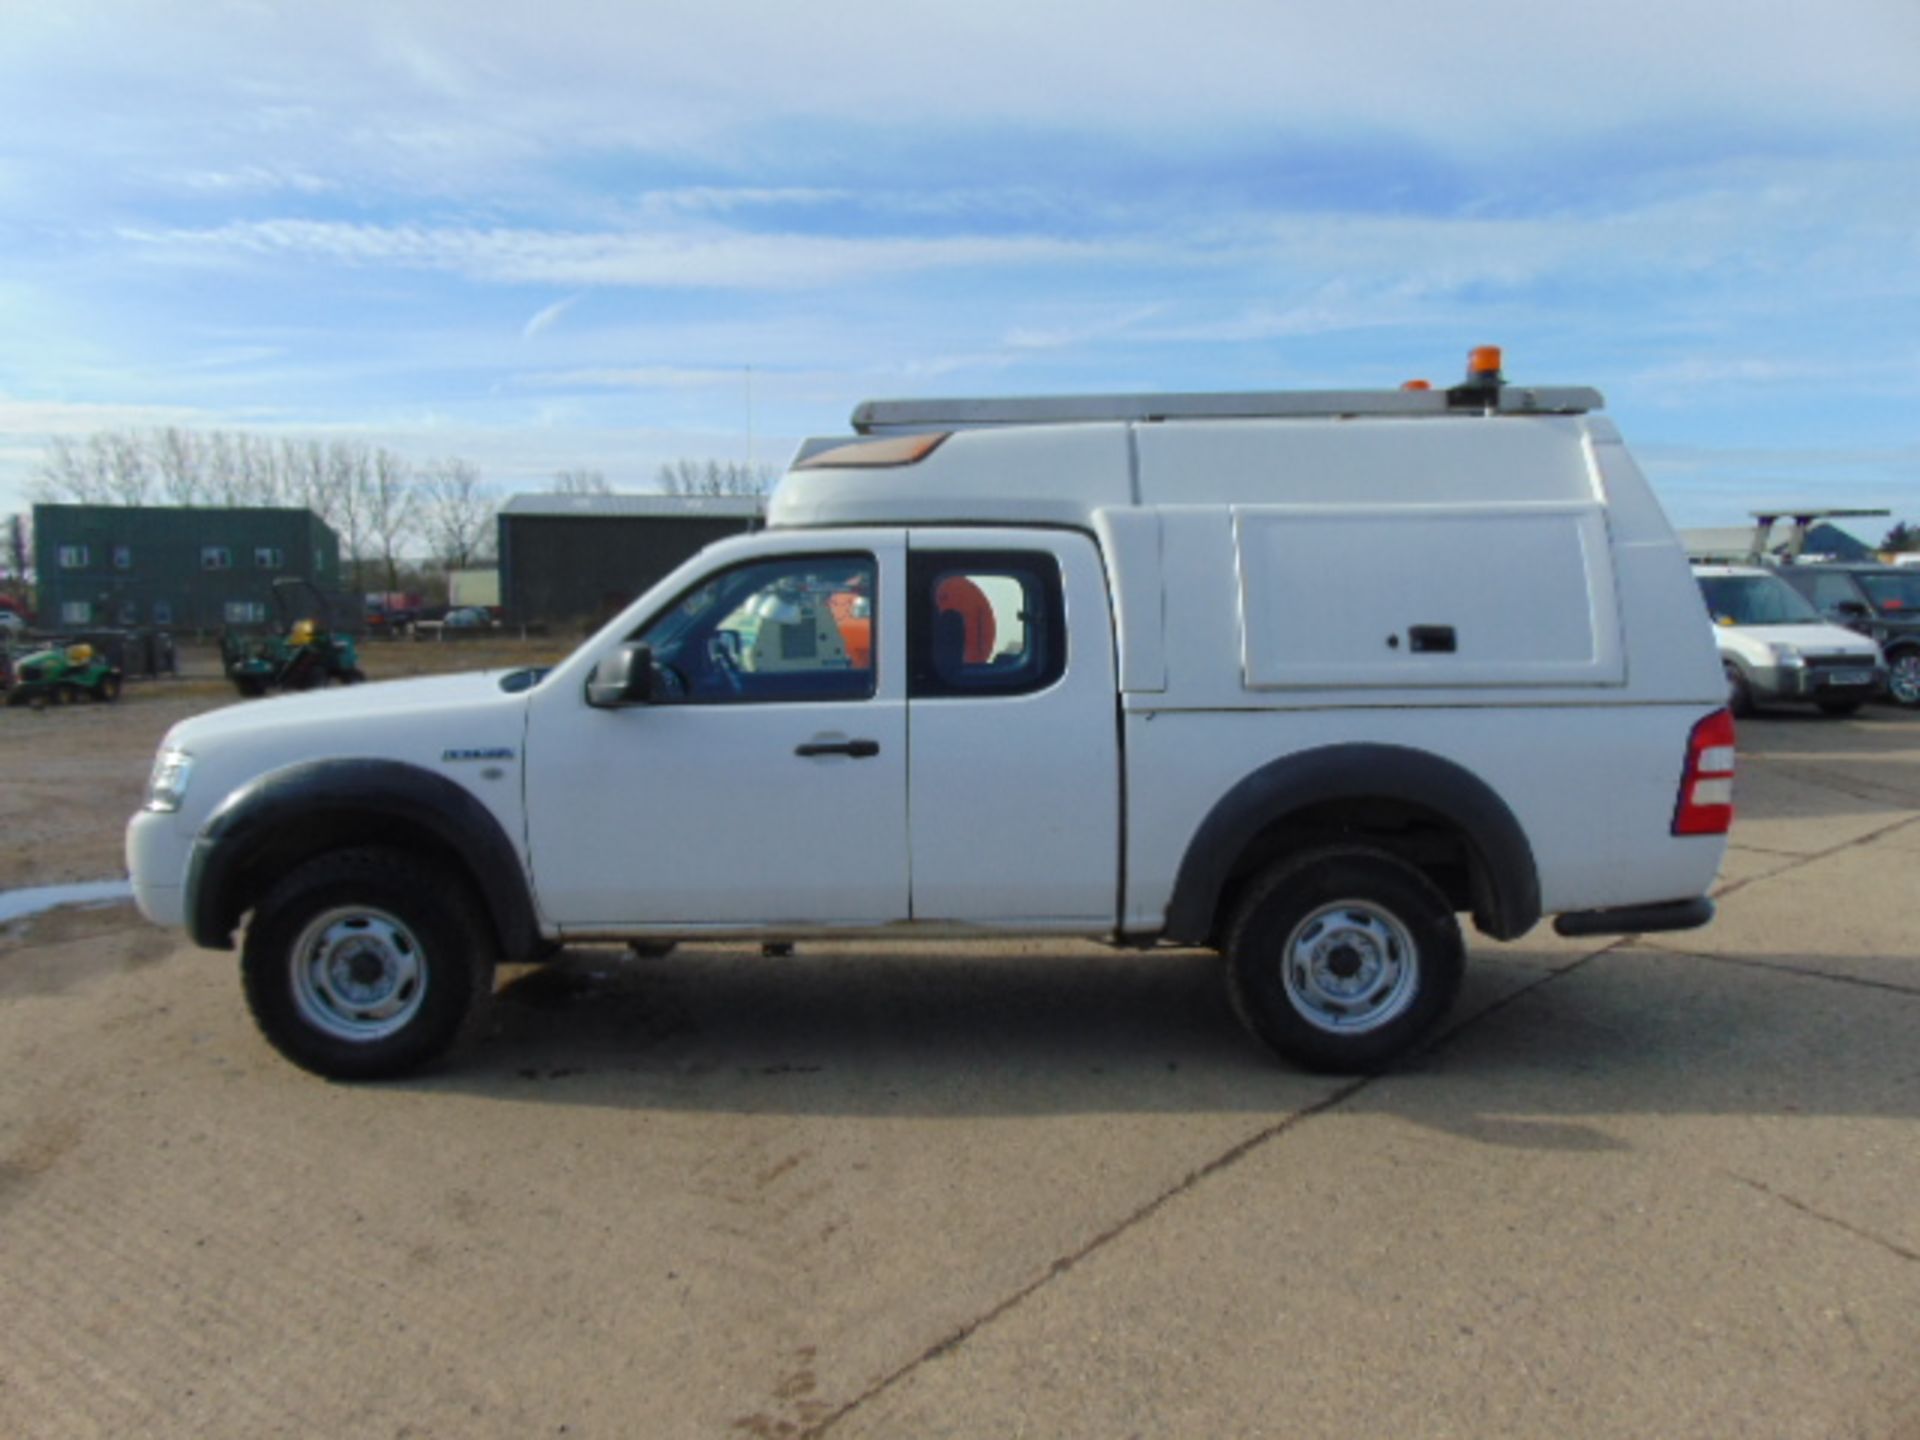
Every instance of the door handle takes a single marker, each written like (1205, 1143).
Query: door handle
(1431, 639)
(858, 749)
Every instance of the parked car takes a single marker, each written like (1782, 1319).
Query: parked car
(468, 617)
(1153, 669)
(388, 621)
(1774, 646)
(1882, 602)
(12, 625)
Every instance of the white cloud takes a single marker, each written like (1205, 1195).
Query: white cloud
(728, 259)
(253, 180)
(648, 377)
(544, 319)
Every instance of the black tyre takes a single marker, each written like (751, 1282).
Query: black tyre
(1340, 959)
(251, 687)
(1903, 678)
(1840, 708)
(1739, 693)
(353, 676)
(364, 964)
(651, 949)
(107, 689)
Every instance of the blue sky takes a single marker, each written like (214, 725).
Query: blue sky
(610, 235)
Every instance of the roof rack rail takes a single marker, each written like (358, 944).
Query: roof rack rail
(881, 417)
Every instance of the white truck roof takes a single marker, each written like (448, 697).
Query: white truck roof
(1067, 472)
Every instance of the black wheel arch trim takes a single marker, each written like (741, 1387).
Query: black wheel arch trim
(382, 791)
(1501, 852)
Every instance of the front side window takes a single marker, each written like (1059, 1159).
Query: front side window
(984, 623)
(800, 627)
(215, 557)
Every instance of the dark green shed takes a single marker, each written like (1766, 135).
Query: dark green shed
(167, 565)
(580, 558)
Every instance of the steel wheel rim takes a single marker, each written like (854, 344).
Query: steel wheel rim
(1350, 967)
(1904, 680)
(358, 974)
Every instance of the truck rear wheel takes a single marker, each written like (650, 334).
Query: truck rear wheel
(1340, 959)
(364, 964)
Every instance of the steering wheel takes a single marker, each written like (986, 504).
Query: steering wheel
(670, 683)
(723, 652)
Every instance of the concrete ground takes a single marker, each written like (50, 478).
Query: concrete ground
(1656, 1188)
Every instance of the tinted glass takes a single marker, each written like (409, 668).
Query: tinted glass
(1893, 593)
(985, 623)
(1755, 600)
(795, 628)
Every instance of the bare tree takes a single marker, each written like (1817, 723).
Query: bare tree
(457, 512)
(118, 458)
(303, 464)
(393, 504)
(690, 477)
(16, 560)
(66, 475)
(346, 482)
(580, 482)
(263, 478)
(176, 459)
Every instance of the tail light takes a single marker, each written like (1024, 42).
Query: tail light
(1705, 805)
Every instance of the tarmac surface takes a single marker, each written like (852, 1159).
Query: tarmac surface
(1665, 1186)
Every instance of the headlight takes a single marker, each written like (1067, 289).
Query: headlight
(169, 781)
(1784, 654)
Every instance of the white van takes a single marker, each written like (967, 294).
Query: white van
(1774, 646)
(1300, 677)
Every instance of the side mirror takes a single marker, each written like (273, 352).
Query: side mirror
(624, 678)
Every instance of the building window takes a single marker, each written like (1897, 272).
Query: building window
(76, 612)
(245, 612)
(73, 557)
(163, 612)
(123, 557)
(269, 557)
(129, 612)
(215, 557)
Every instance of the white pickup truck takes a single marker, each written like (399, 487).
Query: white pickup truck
(1301, 677)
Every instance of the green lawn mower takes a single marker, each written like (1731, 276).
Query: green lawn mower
(305, 650)
(64, 675)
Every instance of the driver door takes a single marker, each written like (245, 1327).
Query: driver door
(766, 783)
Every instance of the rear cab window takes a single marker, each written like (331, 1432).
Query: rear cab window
(984, 622)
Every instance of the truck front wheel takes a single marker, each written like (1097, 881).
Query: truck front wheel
(364, 964)
(1903, 678)
(1340, 959)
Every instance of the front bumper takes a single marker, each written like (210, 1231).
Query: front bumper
(1864, 681)
(157, 862)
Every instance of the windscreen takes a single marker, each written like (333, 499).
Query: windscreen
(1755, 600)
(1892, 594)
